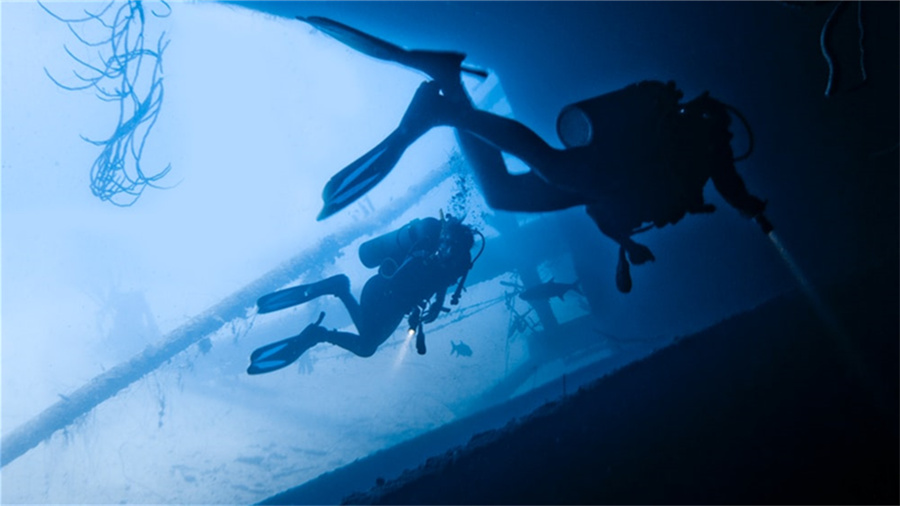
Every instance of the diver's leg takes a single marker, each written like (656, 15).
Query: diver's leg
(373, 330)
(434, 106)
(351, 342)
(353, 308)
(522, 192)
(510, 136)
(375, 319)
(362, 345)
(283, 353)
(511, 192)
(502, 190)
(565, 170)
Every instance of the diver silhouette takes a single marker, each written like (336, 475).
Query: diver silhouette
(632, 157)
(416, 265)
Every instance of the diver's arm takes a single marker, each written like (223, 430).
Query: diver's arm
(434, 310)
(723, 173)
(731, 186)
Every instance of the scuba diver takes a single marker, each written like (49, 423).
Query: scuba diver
(632, 157)
(416, 265)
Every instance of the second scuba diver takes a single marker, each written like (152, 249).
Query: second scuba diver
(416, 264)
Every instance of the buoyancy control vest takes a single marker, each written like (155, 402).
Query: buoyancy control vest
(654, 156)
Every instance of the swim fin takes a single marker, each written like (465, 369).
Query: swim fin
(281, 299)
(297, 295)
(281, 354)
(354, 180)
(425, 111)
(357, 39)
(434, 63)
(274, 356)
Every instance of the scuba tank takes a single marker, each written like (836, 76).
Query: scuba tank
(396, 245)
(629, 118)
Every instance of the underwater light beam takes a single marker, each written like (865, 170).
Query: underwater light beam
(807, 287)
(404, 349)
(841, 338)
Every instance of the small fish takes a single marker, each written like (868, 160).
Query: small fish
(548, 290)
(461, 350)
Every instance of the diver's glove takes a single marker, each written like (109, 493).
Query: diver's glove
(756, 214)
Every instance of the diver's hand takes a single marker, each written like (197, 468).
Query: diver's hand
(433, 312)
(753, 207)
(764, 223)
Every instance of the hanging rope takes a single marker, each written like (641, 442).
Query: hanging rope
(826, 52)
(130, 74)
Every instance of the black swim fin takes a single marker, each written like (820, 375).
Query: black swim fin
(283, 299)
(354, 180)
(297, 295)
(280, 354)
(274, 356)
